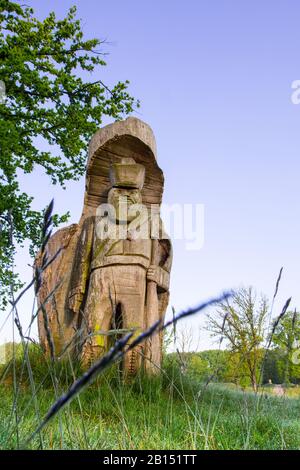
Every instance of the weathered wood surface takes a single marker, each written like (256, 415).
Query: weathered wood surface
(106, 285)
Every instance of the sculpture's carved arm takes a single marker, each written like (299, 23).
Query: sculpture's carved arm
(164, 279)
(81, 266)
(161, 273)
(158, 275)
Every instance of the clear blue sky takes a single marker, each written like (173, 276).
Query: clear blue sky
(214, 79)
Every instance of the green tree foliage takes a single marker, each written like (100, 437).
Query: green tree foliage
(214, 365)
(241, 321)
(286, 340)
(48, 100)
(198, 367)
(274, 367)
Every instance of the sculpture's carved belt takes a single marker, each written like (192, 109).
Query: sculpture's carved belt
(121, 260)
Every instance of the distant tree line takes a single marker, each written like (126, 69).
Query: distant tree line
(228, 367)
(253, 348)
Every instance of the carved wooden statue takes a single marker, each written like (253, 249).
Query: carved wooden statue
(112, 275)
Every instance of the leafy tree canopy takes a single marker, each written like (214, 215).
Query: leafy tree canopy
(241, 321)
(286, 339)
(41, 68)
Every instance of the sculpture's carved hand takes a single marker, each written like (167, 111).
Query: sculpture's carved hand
(75, 302)
(153, 273)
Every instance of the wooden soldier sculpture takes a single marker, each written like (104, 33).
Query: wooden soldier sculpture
(114, 269)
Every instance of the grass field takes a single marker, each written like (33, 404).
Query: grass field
(168, 413)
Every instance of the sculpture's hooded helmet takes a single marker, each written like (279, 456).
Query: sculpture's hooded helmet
(129, 139)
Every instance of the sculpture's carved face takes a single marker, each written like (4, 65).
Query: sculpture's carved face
(122, 199)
